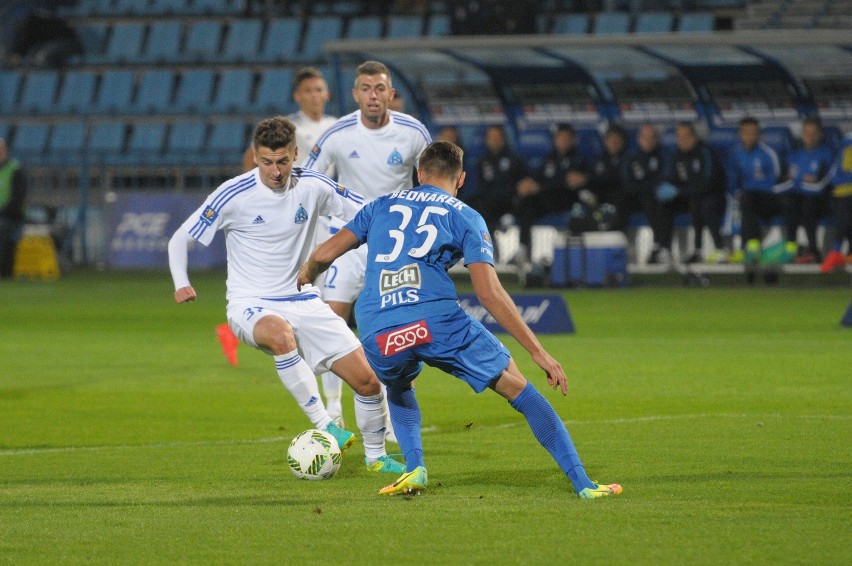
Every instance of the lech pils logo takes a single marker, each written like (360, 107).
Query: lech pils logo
(407, 276)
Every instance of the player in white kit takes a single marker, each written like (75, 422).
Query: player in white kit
(269, 216)
(310, 91)
(374, 150)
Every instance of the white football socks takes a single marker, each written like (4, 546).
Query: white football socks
(301, 382)
(371, 413)
(332, 389)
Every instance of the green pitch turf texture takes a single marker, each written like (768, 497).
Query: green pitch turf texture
(126, 438)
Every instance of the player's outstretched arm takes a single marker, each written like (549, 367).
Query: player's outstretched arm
(178, 261)
(499, 304)
(325, 254)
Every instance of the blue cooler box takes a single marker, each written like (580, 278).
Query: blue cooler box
(605, 258)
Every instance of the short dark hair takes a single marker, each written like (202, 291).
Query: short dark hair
(304, 74)
(565, 127)
(441, 159)
(689, 126)
(749, 121)
(371, 68)
(618, 130)
(813, 120)
(274, 133)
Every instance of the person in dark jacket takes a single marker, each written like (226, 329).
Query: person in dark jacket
(697, 174)
(558, 180)
(499, 171)
(645, 170)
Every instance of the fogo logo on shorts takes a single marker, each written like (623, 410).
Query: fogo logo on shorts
(402, 339)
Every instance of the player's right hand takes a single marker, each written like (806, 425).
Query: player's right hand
(185, 295)
(556, 377)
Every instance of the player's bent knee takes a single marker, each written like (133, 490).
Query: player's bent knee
(510, 383)
(275, 334)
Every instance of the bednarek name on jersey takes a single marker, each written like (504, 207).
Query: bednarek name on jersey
(414, 237)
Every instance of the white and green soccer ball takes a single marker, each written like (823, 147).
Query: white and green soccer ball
(314, 455)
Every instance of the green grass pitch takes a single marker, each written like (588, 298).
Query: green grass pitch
(126, 438)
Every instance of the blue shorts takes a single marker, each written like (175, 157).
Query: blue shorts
(456, 344)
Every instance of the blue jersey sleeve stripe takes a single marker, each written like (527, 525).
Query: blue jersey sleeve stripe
(341, 124)
(403, 120)
(238, 186)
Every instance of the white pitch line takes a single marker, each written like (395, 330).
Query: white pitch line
(427, 429)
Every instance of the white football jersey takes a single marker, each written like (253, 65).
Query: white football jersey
(308, 132)
(372, 162)
(269, 233)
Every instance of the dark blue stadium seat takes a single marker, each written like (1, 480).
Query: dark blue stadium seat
(228, 140)
(780, 139)
(185, 142)
(218, 7)
(170, 7)
(163, 43)
(194, 91)
(320, 30)
(66, 143)
(611, 22)
(93, 36)
(438, 25)
(202, 41)
(404, 27)
(76, 92)
(30, 140)
(124, 44)
(534, 145)
(723, 141)
(282, 40)
(243, 41)
(273, 91)
(589, 144)
(654, 22)
(570, 24)
(106, 142)
(10, 83)
(155, 91)
(5, 130)
(147, 140)
(364, 27)
(115, 92)
(234, 91)
(130, 7)
(39, 91)
(696, 21)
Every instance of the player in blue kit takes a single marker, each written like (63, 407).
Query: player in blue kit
(408, 313)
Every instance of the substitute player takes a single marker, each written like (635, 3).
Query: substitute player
(373, 150)
(409, 314)
(269, 216)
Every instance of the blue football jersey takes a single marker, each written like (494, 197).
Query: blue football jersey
(413, 238)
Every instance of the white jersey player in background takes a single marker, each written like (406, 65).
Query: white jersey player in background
(310, 91)
(374, 150)
(269, 216)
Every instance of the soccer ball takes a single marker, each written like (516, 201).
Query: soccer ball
(314, 455)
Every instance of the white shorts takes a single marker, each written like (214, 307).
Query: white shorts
(322, 336)
(345, 277)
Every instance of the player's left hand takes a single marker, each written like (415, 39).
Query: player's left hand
(304, 277)
(555, 374)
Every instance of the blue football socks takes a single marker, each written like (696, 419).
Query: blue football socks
(406, 419)
(551, 433)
